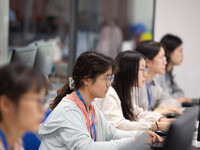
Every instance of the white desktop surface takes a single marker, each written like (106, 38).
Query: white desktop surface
(196, 143)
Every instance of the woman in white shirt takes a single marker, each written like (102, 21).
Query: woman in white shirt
(118, 105)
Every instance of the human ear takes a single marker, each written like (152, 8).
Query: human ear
(148, 63)
(5, 104)
(85, 81)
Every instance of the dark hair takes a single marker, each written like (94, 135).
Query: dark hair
(89, 64)
(126, 77)
(148, 48)
(16, 79)
(170, 42)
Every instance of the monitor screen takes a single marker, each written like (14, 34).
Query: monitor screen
(181, 131)
(24, 55)
(44, 57)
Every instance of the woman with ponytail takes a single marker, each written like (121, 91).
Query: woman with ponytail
(75, 121)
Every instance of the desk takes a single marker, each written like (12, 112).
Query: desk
(195, 143)
(195, 148)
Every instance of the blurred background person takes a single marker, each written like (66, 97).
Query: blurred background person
(110, 39)
(22, 98)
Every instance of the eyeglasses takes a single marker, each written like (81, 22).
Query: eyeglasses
(164, 59)
(109, 79)
(145, 70)
(40, 101)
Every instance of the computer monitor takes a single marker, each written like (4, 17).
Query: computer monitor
(181, 131)
(24, 55)
(44, 57)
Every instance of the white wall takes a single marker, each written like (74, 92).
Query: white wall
(182, 18)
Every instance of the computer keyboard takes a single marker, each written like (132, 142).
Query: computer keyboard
(158, 145)
(196, 101)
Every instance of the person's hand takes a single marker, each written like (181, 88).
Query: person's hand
(173, 109)
(153, 136)
(164, 119)
(164, 126)
(161, 110)
(167, 110)
(184, 99)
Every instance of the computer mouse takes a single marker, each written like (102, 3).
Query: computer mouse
(160, 132)
(172, 115)
(187, 104)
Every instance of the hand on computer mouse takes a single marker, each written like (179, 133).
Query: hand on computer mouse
(173, 109)
(184, 99)
(161, 110)
(167, 110)
(164, 119)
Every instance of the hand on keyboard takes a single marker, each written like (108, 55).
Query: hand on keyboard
(158, 144)
(153, 137)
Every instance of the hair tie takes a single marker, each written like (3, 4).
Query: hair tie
(71, 83)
